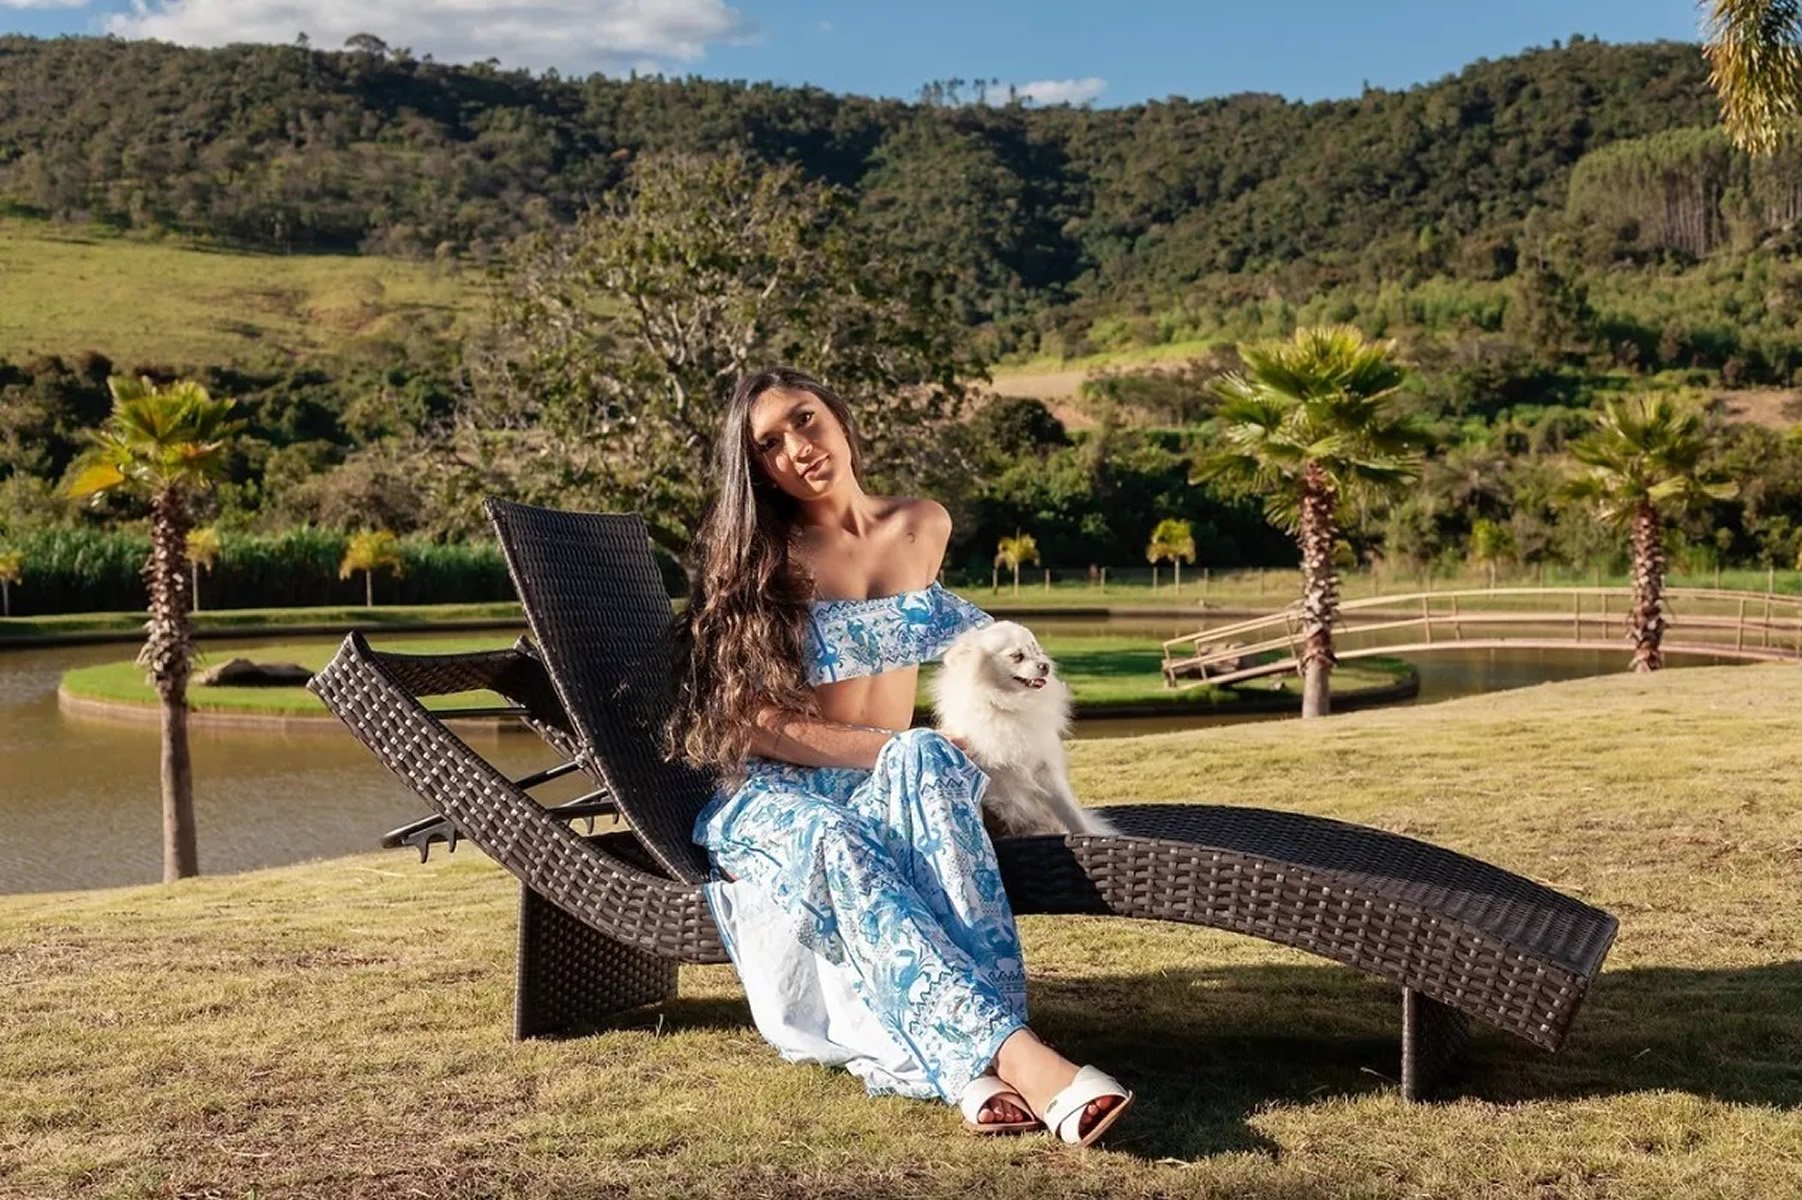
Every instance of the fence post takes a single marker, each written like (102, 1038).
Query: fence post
(1426, 616)
(1576, 621)
(1767, 620)
(1739, 632)
(1048, 579)
(1104, 579)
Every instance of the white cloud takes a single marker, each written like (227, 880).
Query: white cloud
(1062, 91)
(571, 35)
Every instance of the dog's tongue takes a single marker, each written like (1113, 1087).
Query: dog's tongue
(1035, 683)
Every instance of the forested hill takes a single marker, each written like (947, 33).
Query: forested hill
(295, 148)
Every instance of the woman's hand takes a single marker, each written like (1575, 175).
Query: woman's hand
(960, 742)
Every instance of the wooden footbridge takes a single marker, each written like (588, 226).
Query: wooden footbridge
(1745, 626)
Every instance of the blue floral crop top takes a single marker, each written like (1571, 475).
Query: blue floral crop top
(848, 639)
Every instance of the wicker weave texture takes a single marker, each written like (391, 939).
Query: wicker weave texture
(1434, 1036)
(638, 908)
(599, 612)
(572, 978)
(1349, 901)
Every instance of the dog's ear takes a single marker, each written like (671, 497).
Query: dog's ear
(960, 652)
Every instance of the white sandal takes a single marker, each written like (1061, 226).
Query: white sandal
(1063, 1115)
(981, 1091)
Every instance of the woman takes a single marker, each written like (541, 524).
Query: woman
(855, 889)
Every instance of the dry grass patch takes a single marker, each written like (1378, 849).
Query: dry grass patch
(65, 292)
(340, 1028)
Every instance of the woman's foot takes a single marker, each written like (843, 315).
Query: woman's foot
(1006, 1109)
(991, 1106)
(1038, 1073)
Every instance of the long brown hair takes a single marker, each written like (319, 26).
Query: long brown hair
(740, 640)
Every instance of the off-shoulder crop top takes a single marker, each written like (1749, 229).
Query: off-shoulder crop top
(848, 639)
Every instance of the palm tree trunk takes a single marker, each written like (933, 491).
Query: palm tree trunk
(1320, 589)
(1016, 579)
(368, 589)
(1646, 625)
(6, 598)
(181, 857)
(194, 578)
(168, 655)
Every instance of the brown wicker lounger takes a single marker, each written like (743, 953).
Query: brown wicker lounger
(605, 920)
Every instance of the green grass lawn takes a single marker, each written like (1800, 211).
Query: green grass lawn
(340, 1029)
(1105, 672)
(65, 291)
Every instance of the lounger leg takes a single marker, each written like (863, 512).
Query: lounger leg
(1433, 1039)
(572, 978)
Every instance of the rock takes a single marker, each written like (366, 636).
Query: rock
(241, 672)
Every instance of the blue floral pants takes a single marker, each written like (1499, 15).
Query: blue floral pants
(865, 915)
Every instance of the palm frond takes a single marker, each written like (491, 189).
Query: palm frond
(1645, 449)
(1755, 65)
(158, 437)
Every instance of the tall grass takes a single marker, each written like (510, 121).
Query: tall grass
(91, 570)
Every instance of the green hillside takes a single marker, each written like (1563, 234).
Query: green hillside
(66, 291)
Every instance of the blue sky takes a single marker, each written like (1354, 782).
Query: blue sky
(1086, 52)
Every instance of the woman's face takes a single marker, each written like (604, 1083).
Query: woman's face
(799, 444)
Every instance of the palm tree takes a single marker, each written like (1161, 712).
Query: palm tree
(1490, 543)
(167, 444)
(12, 570)
(203, 554)
(1644, 461)
(1308, 427)
(371, 551)
(1015, 551)
(1754, 50)
(1171, 541)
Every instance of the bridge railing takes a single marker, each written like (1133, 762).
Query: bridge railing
(1761, 625)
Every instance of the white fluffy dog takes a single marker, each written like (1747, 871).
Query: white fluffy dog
(997, 692)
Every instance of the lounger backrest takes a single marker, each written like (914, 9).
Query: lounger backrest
(600, 614)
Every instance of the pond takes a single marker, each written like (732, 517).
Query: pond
(79, 805)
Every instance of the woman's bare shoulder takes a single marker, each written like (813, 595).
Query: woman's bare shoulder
(917, 518)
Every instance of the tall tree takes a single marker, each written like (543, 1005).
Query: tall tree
(1754, 52)
(1644, 463)
(203, 554)
(370, 551)
(166, 444)
(12, 570)
(1016, 551)
(1491, 542)
(1309, 425)
(615, 343)
(1173, 541)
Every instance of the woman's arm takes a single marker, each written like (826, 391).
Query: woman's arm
(811, 741)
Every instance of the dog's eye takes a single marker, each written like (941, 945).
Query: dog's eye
(1018, 656)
